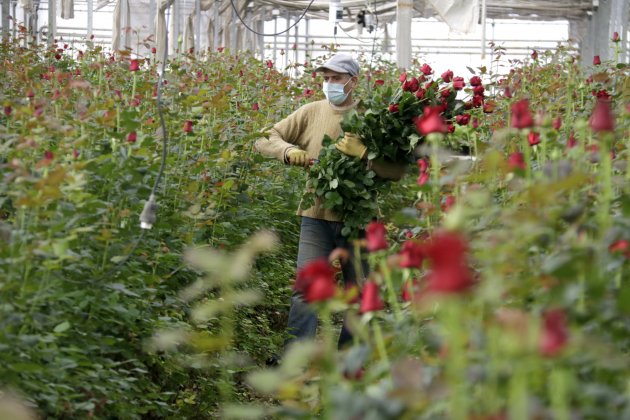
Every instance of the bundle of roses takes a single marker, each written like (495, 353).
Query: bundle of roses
(392, 122)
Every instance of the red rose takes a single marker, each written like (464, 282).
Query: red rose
(134, 65)
(375, 236)
(403, 77)
(370, 300)
(269, 64)
(411, 85)
(393, 108)
(615, 37)
(458, 83)
(452, 279)
(533, 138)
(379, 82)
(430, 121)
(316, 281)
(596, 60)
(7, 110)
(423, 165)
(462, 119)
(220, 49)
(132, 137)
(601, 94)
(188, 126)
(423, 178)
(475, 81)
(447, 76)
(446, 249)
(554, 334)
(521, 117)
(477, 101)
(153, 50)
(478, 90)
(516, 161)
(420, 93)
(255, 106)
(571, 142)
(426, 69)
(557, 123)
(449, 202)
(449, 268)
(534, 55)
(412, 255)
(507, 92)
(602, 118)
(48, 155)
(620, 246)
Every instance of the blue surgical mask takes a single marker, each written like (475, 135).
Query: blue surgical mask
(335, 92)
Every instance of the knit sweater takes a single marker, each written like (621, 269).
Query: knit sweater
(305, 128)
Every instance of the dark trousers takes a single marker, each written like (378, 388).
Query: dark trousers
(317, 240)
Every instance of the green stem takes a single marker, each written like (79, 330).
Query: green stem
(391, 293)
(456, 369)
(558, 394)
(605, 197)
(517, 408)
(380, 342)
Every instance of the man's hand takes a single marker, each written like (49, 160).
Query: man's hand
(352, 145)
(297, 157)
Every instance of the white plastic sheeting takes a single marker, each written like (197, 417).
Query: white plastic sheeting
(132, 26)
(67, 9)
(460, 15)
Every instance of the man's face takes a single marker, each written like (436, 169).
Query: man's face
(339, 78)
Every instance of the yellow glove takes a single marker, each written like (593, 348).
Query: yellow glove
(297, 157)
(352, 145)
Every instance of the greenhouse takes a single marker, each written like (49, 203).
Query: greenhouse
(336, 209)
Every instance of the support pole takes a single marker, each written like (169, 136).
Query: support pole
(483, 29)
(404, 11)
(6, 11)
(90, 18)
(198, 27)
(52, 21)
(215, 26)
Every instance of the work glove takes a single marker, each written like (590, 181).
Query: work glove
(297, 157)
(352, 145)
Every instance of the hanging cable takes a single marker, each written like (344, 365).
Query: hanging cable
(149, 212)
(278, 33)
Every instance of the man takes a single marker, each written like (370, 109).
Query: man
(296, 140)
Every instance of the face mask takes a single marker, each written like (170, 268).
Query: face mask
(335, 92)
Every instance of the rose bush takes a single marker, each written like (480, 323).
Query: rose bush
(497, 286)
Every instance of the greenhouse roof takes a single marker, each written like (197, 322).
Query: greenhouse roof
(500, 9)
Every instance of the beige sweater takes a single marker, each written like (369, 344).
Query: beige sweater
(305, 128)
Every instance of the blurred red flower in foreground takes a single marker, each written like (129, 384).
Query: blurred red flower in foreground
(316, 281)
(602, 118)
(516, 161)
(412, 254)
(554, 334)
(533, 138)
(521, 117)
(370, 299)
(430, 121)
(447, 252)
(375, 236)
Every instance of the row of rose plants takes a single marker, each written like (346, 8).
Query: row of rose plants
(82, 288)
(500, 291)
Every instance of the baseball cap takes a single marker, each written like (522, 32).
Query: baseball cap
(341, 63)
